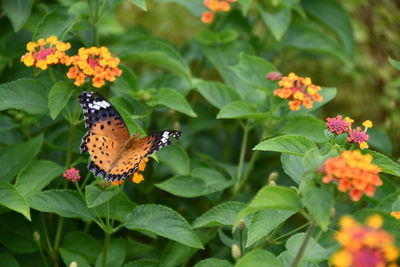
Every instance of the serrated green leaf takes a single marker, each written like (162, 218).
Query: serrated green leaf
(278, 22)
(176, 158)
(82, 244)
(59, 95)
(313, 252)
(221, 215)
(66, 203)
(272, 198)
(37, 175)
(127, 83)
(386, 164)
(17, 11)
(258, 258)
(96, 195)
(16, 96)
(156, 52)
(293, 166)
(14, 158)
(121, 207)
(324, 196)
(306, 126)
(218, 94)
(263, 222)
(293, 144)
(253, 70)
(69, 256)
(140, 3)
(12, 199)
(213, 262)
(115, 254)
(287, 259)
(200, 182)
(162, 221)
(172, 99)
(55, 23)
(240, 110)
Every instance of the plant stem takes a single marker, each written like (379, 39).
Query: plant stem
(241, 241)
(303, 246)
(57, 239)
(52, 75)
(105, 249)
(291, 232)
(69, 147)
(243, 147)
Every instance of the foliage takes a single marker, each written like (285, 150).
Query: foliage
(247, 183)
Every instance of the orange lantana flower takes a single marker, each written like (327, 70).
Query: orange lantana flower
(298, 90)
(94, 62)
(46, 52)
(354, 172)
(364, 245)
(215, 6)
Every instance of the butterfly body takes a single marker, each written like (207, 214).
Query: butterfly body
(115, 154)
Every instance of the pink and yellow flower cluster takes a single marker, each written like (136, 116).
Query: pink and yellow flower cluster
(215, 6)
(94, 62)
(355, 135)
(354, 172)
(364, 245)
(298, 90)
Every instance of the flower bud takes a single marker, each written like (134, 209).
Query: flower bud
(274, 76)
(242, 224)
(332, 212)
(235, 251)
(273, 176)
(36, 236)
(73, 264)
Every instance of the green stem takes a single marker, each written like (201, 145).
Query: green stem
(69, 147)
(303, 246)
(105, 249)
(85, 180)
(57, 239)
(41, 252)
(241, 242)
(242, 155)
(46, 234)
(52, 75)
(292, 232)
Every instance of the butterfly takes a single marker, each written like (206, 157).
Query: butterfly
(115, 154)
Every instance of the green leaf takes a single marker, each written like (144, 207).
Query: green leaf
(176, 158)
(162, 221)
(142, 263)
(313, 252)
(396, 205)
(17, 11)
(216, 38)
(7, 260)
(156, 52)
(82, 244)
(332, 15)
(306, 126)
(218, 94)
(194, 7)
(139, 3)
(127, 83)
(115, 254)
(324, 196)
(66, 203)
(394, 63)
(263, 222)
(278, 22)
(240, 110)
(172, 99)
(221, 215)
(293, 144)
(253, 70)
(12, 199)
(258, 258)
(14, 158)
(200, 182)
(272, 198)
(293, 166)
(59, 95)
(36, 176)
(96, 195)
(386, 164)
(213, 262)
(16, 95)
(122, 206)
(55, 23)
(68, 257)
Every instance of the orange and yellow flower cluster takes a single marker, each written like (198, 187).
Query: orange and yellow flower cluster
(137, 177)
(95, 62)
(298, 90)
(396, 214)
(215, 6)
(339, 125)
(364, 245)
(46, 52)
(354, 172)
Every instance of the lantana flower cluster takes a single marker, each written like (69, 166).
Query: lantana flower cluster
(72, 174)
(298, 90)
(364, 245)
(94, 62)
(339, 125)
(215, 6)
(137, 177)
(46, 52)
(354, 172)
